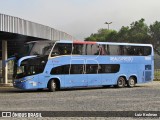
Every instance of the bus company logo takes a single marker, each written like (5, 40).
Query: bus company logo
(6, 114)
(120, 59)
(21, 114)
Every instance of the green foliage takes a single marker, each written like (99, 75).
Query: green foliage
(137, 32)
(155, 33)
(123, 34)
(103, 35)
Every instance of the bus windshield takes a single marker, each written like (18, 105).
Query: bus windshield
(36, 48)
(42, 48)
(31, 67)
(25, 50)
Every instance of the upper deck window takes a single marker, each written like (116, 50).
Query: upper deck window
(61, 49)
(42, 48)
(100, 49)
(127, 50)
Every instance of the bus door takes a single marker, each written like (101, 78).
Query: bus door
(32, 78)
(33, 81)
(76, 76)
(92, 68)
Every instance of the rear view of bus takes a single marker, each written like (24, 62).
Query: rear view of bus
(68, 64)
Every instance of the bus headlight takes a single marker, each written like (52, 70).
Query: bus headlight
(26, 79)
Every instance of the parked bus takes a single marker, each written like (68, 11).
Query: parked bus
(68, 64)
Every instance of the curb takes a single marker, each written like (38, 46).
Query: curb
(6, 85)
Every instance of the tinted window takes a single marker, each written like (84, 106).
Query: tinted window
(42, 48)
(60, 70)
(92, 49)
(76, 69)
(89, 49)
(147, 51)
(114, 50)
(62, 49)
(95, 49)
(30, 67)
(103, 50)
(137, 50)
(92, 69)
(79, 49)
(126, 50)
(26, 49)
(109, 68)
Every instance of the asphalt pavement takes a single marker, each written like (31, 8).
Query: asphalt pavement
(145, 97)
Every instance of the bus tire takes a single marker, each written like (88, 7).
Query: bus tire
(121, 82)
(131, 82)
(52, 85)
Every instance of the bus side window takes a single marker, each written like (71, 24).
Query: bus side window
(106, 49)
(76, 69)
(114, 50)
(62, 49)
(92, 69)
(64, 69)
(65, 49)
(121, 50)
(88, 49)
(106, 68)
(77, 49)
(56, 70)
(110, 68)
(103, 50)
(147, 51)
(95, 49)
(134, 51)
(140, 52)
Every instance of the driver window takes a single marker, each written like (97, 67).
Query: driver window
(55, 51)
(62, 49)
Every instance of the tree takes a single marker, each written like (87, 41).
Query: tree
(138, 32)
(155, 33)
(123, 34)
(103, 35)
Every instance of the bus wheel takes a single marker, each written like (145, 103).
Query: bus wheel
(131, 82)
(121, 82)
(52, 86)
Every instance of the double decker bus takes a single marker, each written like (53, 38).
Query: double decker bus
(68, 64)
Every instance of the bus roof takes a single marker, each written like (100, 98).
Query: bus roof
(103, 43)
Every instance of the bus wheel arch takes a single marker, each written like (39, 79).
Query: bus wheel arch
(53, 84)
(121, 82)
(132, 81)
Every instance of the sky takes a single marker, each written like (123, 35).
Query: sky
(81, 18)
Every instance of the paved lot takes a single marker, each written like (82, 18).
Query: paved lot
(144, 97)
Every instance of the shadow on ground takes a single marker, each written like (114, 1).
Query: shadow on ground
(15, 90)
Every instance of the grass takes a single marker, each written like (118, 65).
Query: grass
(157, 75)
